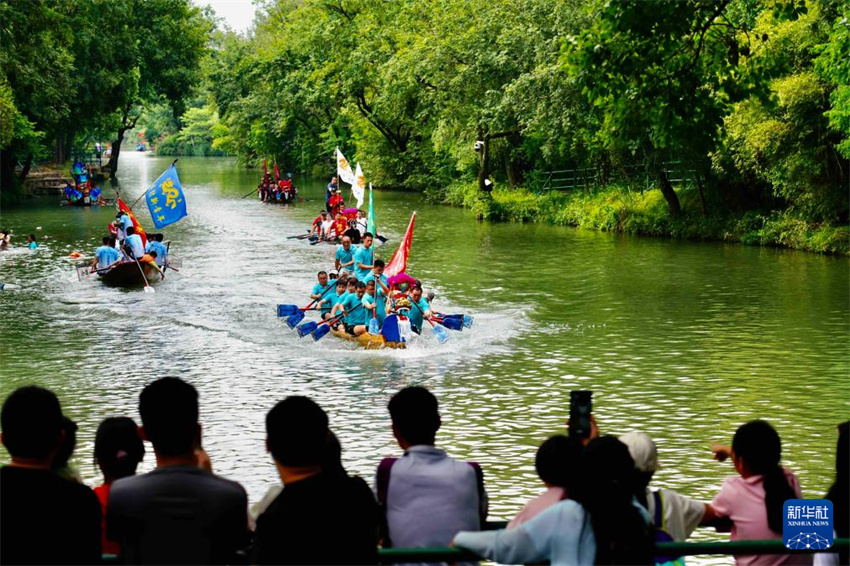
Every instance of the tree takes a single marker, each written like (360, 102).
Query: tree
(166, 41)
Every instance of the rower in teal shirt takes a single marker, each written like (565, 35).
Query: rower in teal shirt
(381, 288)
(364, 256)
(331, 299)
(345, 256)
(415, 314)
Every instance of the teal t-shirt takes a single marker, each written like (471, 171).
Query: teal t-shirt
(364, 256)
(332, 300)
(319, 289)
(344, 257)
(415, 314)
(356, 312)
(379, 295)
(367, 300)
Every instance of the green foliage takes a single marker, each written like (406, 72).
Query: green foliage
(618, 209)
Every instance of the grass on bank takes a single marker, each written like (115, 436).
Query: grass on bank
(616, 209)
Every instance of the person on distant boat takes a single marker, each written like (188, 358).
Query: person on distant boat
(344, 261)
(363, 258)
(336, 202)
(353, 233)
(339, 226)
(31, 243)
(5, 239)
(151, 259)
(332, 186)
(106, 255)
(155, 245)
(316, 229)
(133, 244)
(124, 222)
(327, 227)
(361, 222)
(69, 190)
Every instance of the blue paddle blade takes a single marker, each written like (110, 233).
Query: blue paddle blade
(306, 328)
(453, 323)
(468, 320)
(293, 320)
(441, 333)
(286, 310)
(373, 326)
(321, 331)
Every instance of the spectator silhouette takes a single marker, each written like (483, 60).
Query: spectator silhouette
(753, 500)
(117, 452)
(426, 496)
(318, 499)
(599, 524)
(44, 518)
(557, 464)
(179, 513)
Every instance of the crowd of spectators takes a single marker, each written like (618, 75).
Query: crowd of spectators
(597, 506)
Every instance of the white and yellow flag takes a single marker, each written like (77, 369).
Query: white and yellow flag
(358, 188)
(343, 169)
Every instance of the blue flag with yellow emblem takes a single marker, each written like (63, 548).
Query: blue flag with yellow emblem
(165, 199)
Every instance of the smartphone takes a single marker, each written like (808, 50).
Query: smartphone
(580, 408)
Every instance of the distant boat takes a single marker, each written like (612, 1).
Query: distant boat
(141, 147)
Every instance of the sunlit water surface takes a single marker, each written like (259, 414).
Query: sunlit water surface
(684, 341)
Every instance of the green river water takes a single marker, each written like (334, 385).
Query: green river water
(684, 341)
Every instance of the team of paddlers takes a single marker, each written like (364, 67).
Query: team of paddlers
(281, 190)
(124, 244)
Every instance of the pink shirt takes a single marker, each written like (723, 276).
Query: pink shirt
(742, 500)
(546, 499)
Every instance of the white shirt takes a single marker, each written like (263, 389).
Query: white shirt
(680, 515)
(361, 226)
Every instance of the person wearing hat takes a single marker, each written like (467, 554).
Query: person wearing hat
(671, 512)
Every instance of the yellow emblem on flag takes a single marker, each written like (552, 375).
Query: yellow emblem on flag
(170, 192)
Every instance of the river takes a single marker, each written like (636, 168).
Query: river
(682, 340)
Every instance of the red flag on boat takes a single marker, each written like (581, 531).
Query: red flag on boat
(265, 169)
(399, 261)
(276, 174)
(138, 227)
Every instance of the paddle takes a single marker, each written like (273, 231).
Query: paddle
(325, 326)
(299, 236)
(148, 288)
(253, 191)
(465, 320)
(439, 330)
(451, 323)
(295, 314)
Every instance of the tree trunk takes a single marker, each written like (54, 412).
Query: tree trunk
(116, 150)
(513, 166)
(25, 170)
(669, 194)
(484, 159)
(703, 205)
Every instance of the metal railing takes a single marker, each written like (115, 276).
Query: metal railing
(680, 175)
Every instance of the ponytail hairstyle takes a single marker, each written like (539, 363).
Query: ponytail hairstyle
(118, 449)
(758, 445)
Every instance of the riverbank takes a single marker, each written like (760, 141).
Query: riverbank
(616, 209)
